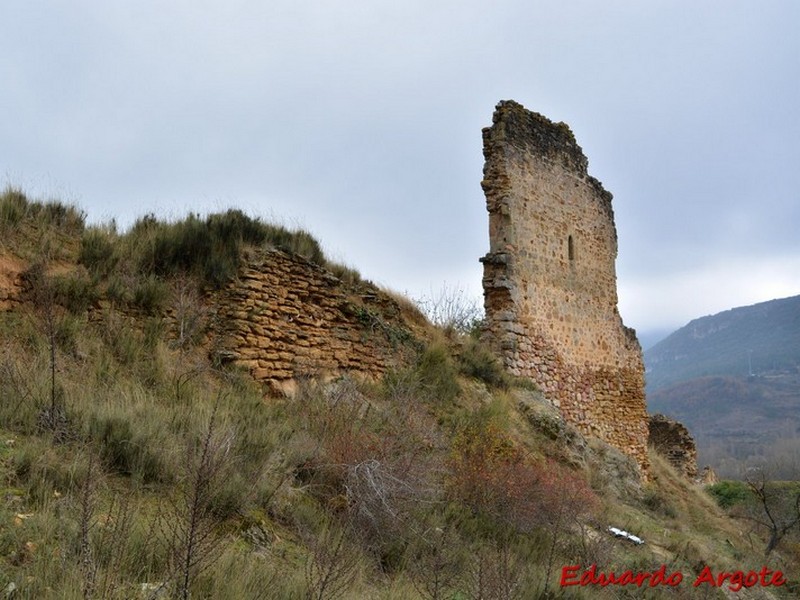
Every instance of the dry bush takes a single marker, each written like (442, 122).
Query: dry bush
(49, 316)
(383, 504)
(189, 526)
(334, 416)
(16, 390)
(491, 475)
(101, 535)
(331, 567)
(452, 309)
(495, 572)
(189, 312)
(565, 502)
(377, 465)
(436, 569)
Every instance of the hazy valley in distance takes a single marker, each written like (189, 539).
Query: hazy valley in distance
(734, 380)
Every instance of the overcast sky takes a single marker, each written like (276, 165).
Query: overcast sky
(360, 121)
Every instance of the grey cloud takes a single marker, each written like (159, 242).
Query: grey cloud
(363, 124)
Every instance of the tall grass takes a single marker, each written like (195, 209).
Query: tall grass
(36, 229)
(16, 209)
(207, 248)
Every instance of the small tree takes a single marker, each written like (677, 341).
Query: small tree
(775, 506)
(331, 567)
(190, 527)
(48, 315)
(495, 573)
(436, 568)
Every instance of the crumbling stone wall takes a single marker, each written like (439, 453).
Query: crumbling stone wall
(672, 440)
(286, 318)
(550, 281)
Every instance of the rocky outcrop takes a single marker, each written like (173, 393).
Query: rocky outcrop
(672, 440)
(550, 281)
(11, 281)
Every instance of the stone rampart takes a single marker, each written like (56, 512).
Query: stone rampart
(286, 318)
(550, 281)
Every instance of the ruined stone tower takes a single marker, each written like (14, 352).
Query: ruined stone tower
(549, 281)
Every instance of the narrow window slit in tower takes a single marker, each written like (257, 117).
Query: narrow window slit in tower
(570, 248)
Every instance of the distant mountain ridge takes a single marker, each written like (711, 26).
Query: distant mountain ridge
(750, 340)
(734, 380)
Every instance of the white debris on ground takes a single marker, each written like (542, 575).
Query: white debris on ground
(624, 534)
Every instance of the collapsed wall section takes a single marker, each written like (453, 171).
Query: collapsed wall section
(550, 281)
(672, 440)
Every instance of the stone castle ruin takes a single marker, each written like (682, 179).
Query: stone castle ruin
(549, 279)
(549, 285)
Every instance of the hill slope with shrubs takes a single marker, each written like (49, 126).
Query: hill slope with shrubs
(135, 466)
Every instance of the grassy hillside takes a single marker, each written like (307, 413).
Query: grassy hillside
(762, 339)
(134, 466)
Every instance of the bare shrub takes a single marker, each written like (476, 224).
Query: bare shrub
(49, 316)
(382, 504)
(495, 573)
(452, 309)
(331, 567)
(491, 475)
(15, 388)
(334, 416)
(375, 464)
(564, 501)
(189, 312)
(774, 506)
(101, 537)
(436, 568)
(190, 316)
(88, 566)
(190, 528)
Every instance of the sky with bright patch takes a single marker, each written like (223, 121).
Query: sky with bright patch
(361, 121)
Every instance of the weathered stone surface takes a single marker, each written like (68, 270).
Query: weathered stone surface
(286, 318)
(672, 440)
(11, 284)
(550, 281)
(708, 476)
